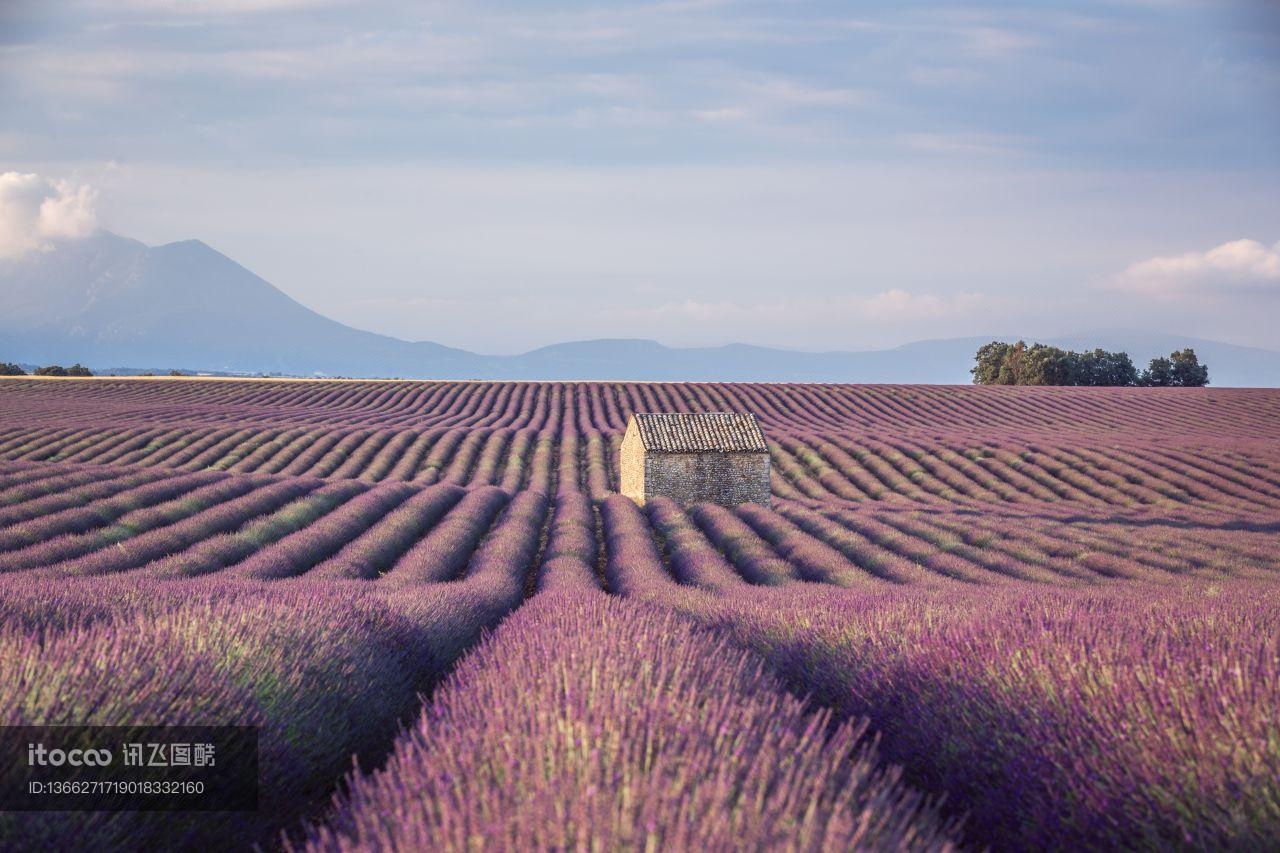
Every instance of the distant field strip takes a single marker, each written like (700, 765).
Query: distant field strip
(605, 406)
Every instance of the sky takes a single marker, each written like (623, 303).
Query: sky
(810, 175)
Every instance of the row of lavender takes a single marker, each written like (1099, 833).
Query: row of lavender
(1049, 718)
(1132, 716)
(327, 666)
(58, 521)
(588, 723)
(585, 722)
(605, 405)
(938, 469)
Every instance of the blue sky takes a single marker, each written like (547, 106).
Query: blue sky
(813, 175)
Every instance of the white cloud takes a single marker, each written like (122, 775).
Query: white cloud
(898, 304)
(721, 114)
(996, 42)
(36, 211)
(782, 92)
(1237, 264)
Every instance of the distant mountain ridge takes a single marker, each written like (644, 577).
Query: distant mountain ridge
(108, 301)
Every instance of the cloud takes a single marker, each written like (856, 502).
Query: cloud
(898, 304)
(36, 211)
(810, 322)
(953, 143)
(720, 114)
(782, 92)
(1239, 264)
(996, 42)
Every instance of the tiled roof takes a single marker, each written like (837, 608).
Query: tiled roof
(679, 432)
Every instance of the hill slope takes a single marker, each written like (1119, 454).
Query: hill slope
(108, 300)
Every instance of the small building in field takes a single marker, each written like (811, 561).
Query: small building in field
(715, 457)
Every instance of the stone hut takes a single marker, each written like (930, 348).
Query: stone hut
(717, 457)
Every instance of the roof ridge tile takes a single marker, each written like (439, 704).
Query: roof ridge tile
(694, 432)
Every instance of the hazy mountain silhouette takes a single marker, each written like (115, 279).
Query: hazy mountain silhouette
(108, 301)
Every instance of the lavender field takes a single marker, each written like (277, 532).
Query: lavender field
(973, 617)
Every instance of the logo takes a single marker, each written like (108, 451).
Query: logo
(39, 756)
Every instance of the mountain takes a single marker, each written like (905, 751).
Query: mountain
(108, 301)
(931, 361)
(944, 361)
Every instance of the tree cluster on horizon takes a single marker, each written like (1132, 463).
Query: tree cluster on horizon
(1001, 363)
(8, 368)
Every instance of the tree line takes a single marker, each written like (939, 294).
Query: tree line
(1000, 363)
(10, 369)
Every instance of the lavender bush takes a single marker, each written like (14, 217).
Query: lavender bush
(616, 743)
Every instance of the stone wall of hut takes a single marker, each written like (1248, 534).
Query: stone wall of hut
(631, 466)
(728, 479)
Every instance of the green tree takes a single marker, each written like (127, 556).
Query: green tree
(79, 369)
(51, 370)
(1187, 370)
(1048, 365)
(1099, 368)
(1120, 370)
(1180, 370)
(8, 368)
(1159, 374)
(990, 359)
(1089, 369)
(999, 363)
(1013, 369)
